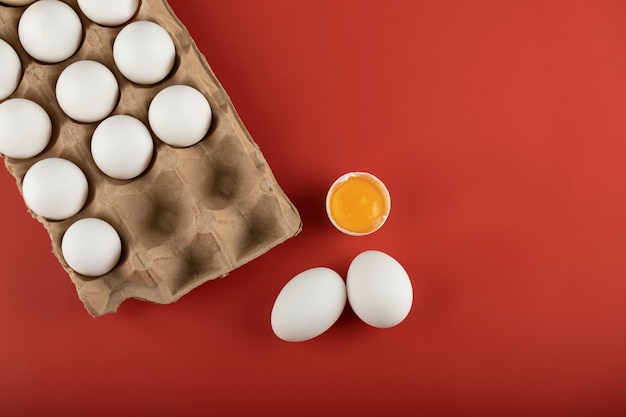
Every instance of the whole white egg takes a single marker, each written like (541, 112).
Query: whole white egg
(122, 147)
(144, 52)
(50, 31)
(55, 188)
(91, 247)
(10, 70)
(87, 91)
(379, 289)
(109, 13)
(180, 115)
(25, 128)
(308, 305)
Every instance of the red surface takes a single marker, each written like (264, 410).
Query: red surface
(500, 130)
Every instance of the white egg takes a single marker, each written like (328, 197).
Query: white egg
(180, 115)
(91, 247)
(379, 289)
(308, 305)
(25, 128)
(10, 70)
(110, 12)
(87, 91)
(50, 31)
(55, 188)
(122, 147)
(144, 52)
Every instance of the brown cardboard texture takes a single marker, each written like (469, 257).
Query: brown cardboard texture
(196, 214)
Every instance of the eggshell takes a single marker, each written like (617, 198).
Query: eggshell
(87, 91)
(375, 209)
(10, 70)
(379, 289)
(122, 147)
(110, 12)
(25, 128)
(50, 31)
(308, 305)
(180, 115)
(91, 247)
(55, 188)
(144, 52)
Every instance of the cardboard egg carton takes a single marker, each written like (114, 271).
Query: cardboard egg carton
(196, 214)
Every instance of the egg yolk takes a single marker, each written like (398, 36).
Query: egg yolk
(358, 204)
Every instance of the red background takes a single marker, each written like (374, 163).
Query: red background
(500, 130)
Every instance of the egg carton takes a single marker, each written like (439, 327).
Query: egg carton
(196, 214)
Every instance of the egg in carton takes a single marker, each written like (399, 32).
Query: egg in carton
(195, 212)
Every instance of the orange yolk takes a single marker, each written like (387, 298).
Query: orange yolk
(358, 204)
